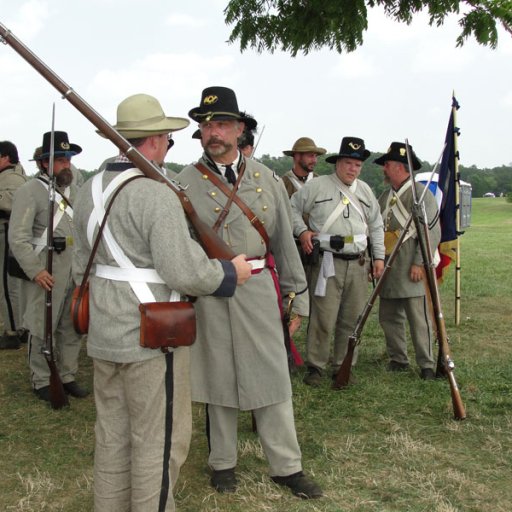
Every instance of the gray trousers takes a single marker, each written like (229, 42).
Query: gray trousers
(393, 316)
(143, 430)
(276, 430)
(66, 344)
(345, 297)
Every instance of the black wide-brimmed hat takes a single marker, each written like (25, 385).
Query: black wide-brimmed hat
(217, 103)
(249, 121)
(61, 145)
(351, 147)
(397, 152)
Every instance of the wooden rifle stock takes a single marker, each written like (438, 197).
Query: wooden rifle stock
(421, 223)
(58, 398)
(213, 245)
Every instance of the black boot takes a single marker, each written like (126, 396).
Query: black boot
(300, 485)
(224, 480)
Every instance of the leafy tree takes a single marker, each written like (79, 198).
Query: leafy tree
(303, 25)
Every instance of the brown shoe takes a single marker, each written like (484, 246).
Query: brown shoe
(300, 485)
(313, 377)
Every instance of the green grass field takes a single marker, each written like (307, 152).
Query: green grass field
(387, 444)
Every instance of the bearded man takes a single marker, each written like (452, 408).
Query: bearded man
(305, 155)
(239, 360)
(28, 242)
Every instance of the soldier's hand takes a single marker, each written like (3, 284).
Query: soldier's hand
(294, 325)
(416, 273)
(243, 268)
(378, 268)
(45, 280)
(305, 240)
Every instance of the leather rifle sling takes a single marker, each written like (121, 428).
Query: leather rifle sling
(231, 194)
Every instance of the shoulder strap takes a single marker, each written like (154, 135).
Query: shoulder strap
(253, 219)
(100, 231)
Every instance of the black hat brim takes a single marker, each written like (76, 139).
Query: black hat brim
(215, 116)
(74, 149)
(334, 158)
(416, 164)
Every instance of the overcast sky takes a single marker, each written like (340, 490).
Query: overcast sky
(397, 85)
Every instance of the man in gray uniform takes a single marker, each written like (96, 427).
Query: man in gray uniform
(402, 297)
(142, 396)
(239, 360)
(10, 181)
(344, 217)
(28, 239)
(305, 155)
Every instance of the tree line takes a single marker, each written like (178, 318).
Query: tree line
(497, 179)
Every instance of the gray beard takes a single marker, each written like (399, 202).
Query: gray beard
(225, 148)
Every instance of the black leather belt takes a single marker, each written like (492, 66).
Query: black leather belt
(346, 257)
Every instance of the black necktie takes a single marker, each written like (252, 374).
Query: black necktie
(230, 174)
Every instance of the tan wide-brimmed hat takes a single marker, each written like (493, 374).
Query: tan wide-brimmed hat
(142, 115)
(305, 145)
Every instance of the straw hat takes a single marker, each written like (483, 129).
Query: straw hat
(142, 115)
(305, 145)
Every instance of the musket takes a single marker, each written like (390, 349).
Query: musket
(257, 142)
(372, 260)
(421, 223)
(58, 398)
(343, 375)
(213, 245)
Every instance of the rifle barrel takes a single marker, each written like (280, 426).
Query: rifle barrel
(423, 234)
(213, 245)
(58, 398)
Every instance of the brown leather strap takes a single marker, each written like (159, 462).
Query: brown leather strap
(224, 213)
(100, 231)
(253, 219)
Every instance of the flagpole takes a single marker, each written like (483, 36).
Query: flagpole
(457, 212)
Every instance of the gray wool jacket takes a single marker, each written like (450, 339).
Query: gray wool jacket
(29, 219)
(239, 358)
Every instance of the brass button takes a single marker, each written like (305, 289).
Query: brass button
(265, 208)
(217, 209)
(205, 176)
(259, 190)
(213, 194)
(256, 174)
